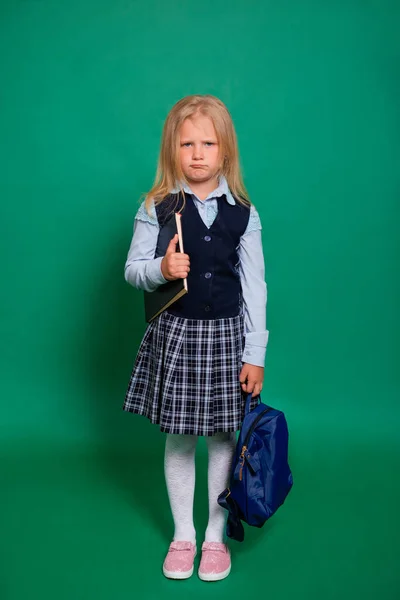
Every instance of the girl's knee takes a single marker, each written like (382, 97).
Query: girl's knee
(222, 439)
(181, 443)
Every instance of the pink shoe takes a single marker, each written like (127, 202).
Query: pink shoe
(179, 561)
(215, 562)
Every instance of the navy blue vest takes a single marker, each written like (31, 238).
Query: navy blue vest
(214, 290)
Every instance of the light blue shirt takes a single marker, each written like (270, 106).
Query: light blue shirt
(143, 271)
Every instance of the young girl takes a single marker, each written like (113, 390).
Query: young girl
(199, 359)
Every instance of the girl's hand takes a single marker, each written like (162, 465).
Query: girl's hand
(175, 265)
(251, 378)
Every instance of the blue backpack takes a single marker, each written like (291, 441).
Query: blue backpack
(260, 478)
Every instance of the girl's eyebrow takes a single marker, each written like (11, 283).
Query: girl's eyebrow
(207, 140)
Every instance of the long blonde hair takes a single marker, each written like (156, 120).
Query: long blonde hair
(169, 172)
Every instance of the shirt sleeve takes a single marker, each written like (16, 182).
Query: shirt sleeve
(254, 290)
(142, 270)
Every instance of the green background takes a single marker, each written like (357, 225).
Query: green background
(313, 87)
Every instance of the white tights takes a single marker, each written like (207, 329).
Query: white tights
(180, 478)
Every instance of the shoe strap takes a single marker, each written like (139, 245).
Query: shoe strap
(214, 547)
(181, 546)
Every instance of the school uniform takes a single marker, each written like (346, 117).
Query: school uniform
(186, 373)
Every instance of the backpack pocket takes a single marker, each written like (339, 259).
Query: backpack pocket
(255, 475)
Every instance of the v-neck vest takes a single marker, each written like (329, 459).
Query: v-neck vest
(214, 290)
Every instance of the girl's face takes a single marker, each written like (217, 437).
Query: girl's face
(199, 149)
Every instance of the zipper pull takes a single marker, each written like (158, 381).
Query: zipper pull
(242, 458)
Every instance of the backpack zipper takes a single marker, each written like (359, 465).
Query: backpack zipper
(247, 439)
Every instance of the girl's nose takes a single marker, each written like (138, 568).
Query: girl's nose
(197, 151)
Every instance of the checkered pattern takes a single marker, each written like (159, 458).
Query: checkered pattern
(186, 375)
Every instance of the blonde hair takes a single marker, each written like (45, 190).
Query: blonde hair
(169, 172)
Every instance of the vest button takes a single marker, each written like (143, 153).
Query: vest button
(207, 308)
(208, 275)
(207, 238)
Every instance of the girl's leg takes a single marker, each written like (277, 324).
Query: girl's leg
(221, 448)
(179, 466)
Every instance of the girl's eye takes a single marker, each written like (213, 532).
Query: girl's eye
(188, 144)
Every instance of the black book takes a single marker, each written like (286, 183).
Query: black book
(167, 293)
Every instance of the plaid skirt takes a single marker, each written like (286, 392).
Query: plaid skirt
(186, 375)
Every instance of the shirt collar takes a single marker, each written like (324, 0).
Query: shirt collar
(221, 190)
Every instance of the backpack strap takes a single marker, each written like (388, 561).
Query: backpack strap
(234, 526)
(248, 403)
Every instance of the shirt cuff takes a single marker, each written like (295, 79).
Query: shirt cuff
(154, 274)
(255, 348)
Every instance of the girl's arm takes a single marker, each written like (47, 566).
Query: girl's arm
(142, 270)
(254, 290)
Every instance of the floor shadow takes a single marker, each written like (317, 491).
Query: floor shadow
(140, 481)
(253, 537)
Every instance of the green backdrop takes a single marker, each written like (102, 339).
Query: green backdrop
(313, 87)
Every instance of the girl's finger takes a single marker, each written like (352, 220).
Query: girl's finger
(180, 261)
(257, 389)
(250, 386)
